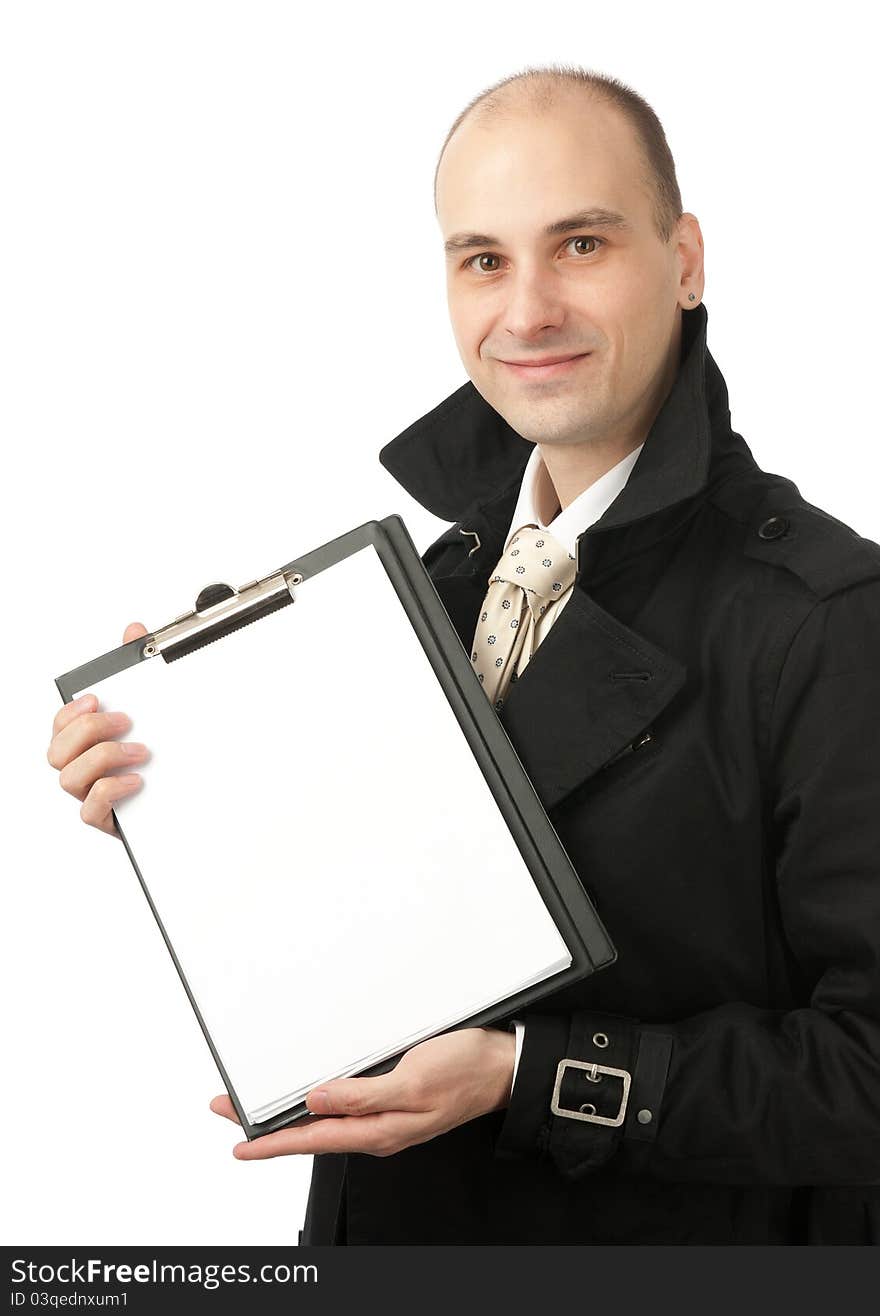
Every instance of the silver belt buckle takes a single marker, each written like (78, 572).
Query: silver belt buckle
(593, 1072)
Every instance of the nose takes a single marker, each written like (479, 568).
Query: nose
(534, 303)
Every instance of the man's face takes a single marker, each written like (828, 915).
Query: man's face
(609, 295)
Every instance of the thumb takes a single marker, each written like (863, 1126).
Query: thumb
(133, 631)
(360, 1096)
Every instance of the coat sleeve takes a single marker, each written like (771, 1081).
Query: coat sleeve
(738, 1093)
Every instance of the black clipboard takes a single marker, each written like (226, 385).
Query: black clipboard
(220, 610)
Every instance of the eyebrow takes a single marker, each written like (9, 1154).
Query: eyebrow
(595, 217)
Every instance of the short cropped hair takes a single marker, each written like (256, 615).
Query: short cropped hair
(537, 87)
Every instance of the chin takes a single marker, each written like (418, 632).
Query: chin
(543, 424)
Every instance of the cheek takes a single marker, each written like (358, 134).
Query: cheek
(470, 337)
(470, 324)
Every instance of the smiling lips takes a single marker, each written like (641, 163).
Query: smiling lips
(547, 367)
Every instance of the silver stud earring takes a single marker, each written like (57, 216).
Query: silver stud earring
(692, 296)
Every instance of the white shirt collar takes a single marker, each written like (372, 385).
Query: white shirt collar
(537, 489)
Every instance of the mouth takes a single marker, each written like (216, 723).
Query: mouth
(548, 368)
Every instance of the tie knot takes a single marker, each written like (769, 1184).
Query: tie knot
(536, 561)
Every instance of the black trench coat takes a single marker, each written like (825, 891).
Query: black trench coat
(702, 725)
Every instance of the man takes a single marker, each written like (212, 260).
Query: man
(698, 707)
(735, 854)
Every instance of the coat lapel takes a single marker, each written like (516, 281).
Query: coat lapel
(590, 688)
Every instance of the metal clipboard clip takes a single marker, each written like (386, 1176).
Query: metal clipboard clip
(219, 610)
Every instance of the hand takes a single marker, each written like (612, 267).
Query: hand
(82, 750)
(434, 1087)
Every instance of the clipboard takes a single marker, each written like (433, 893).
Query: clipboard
(399, 683)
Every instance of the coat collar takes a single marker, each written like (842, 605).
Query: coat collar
(462, 456)
(595, 683)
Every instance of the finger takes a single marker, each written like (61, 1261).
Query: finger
(376, 1135)
(83, 731)
(97, 805)
(79, 775)
(366, 1096)
(223, 1106)
(86, 703)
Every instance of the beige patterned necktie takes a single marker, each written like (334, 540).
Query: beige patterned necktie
(533, 574)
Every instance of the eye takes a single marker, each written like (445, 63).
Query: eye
(483, 255)
(586, 238)
(490, 255)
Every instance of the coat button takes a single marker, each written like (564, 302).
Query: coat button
(645, 1116)
(774, 528)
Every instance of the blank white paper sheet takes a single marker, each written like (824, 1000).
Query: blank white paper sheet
(328, 861)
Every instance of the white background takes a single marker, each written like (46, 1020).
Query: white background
(222, 293)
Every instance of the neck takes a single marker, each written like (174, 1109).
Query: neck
(570, 468)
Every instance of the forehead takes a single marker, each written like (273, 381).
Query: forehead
(522, 170)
